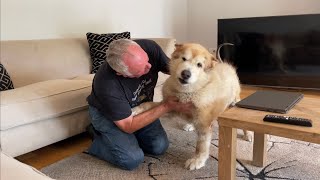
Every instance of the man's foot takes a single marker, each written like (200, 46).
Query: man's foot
(92, 132)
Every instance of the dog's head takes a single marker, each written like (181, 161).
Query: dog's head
(190, 63)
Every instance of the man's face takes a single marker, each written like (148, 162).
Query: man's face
(137, 61)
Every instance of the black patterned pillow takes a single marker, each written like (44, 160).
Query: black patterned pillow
(98, 45)
(5, 80)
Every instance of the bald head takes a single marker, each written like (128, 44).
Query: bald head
(127, 58)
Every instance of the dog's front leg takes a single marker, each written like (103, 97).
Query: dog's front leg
(143, 107)
(202, 148)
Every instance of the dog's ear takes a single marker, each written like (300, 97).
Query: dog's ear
(214, 60)
(178, 46)
(175, 54)
(210, 62)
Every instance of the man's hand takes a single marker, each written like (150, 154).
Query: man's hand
(134, 123)
(174, 105)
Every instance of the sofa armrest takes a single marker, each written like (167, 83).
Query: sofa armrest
(167, 45)
(13, 169)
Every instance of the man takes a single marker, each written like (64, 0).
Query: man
(125, 81)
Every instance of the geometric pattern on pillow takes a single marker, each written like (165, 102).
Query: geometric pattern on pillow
(99, 44)
(5, 80)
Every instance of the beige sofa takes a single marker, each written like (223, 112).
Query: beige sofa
(12, 169)
(52, 80)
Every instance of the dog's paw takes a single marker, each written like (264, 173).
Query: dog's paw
(188, 127)
(143, 107)
(247, 137)
(195, 163)
(232, 104)
(136, 110)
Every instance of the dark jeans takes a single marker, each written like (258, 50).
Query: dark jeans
(123, 149)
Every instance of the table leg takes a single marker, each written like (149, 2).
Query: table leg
(227, 153)
(259, 149)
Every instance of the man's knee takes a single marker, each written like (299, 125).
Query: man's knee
(127, 159)
(131, 160)
(159, 146)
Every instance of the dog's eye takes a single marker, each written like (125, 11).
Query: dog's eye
(199, 65)
(184, 59)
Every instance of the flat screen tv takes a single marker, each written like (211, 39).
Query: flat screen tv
(277, 51)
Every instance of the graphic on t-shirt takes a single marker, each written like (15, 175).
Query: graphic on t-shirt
(143, 93)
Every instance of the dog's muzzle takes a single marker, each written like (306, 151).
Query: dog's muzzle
(185, 75)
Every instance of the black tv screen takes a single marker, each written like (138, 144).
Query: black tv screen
(278, 51)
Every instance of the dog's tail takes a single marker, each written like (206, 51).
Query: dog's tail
(218, 50)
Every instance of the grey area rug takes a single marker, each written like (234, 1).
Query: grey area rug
(286, 159)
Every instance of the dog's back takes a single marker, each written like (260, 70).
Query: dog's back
(225, 81)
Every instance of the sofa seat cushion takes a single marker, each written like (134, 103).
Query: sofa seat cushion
(42, 100)
(87, 77)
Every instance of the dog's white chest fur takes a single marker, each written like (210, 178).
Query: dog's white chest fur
(195, 97)
(186, 97)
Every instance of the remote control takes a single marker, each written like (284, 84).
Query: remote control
(288, 120)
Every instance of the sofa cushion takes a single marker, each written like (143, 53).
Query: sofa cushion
(32, 61)
(99, 44)
(5, 80)
(42, 100)
(87, 77)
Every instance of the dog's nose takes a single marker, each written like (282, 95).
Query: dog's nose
(185, 74)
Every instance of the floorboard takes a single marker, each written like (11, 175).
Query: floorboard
(50, 154)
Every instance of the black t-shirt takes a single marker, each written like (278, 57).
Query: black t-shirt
(115, 95)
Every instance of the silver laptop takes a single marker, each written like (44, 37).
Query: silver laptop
(273, 101)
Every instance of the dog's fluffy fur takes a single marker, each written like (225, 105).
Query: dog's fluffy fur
(212, 86)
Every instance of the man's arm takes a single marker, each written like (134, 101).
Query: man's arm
(134, 123)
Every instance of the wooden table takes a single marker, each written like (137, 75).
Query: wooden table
(240, 118)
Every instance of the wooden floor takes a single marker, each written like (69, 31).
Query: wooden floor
(55, 152)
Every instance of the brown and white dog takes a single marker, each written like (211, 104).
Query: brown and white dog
(212, 86)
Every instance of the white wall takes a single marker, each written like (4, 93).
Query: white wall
(203, 14)
(186, 20)
(46, 19)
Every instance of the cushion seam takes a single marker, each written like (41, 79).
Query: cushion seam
(69, 111)
(19, 102)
